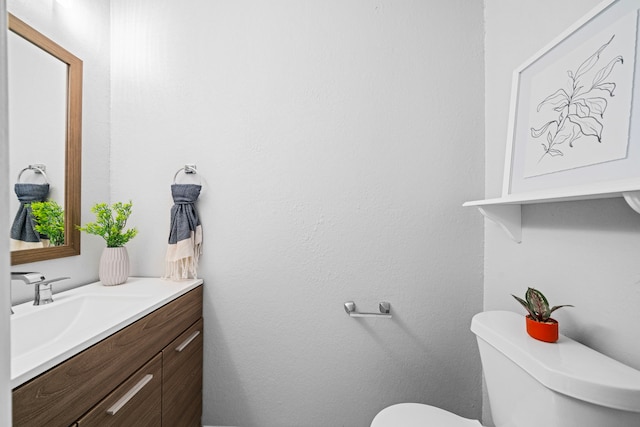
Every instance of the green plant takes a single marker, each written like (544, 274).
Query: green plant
(49, 217)
(111, 227)
(537, 305)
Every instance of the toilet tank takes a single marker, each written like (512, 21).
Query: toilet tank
(564, 384)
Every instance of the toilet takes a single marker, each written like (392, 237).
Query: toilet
(532, 383)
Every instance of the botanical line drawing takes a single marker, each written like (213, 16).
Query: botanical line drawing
(580, 107)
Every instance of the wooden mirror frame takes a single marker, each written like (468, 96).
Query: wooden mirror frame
(73, 148)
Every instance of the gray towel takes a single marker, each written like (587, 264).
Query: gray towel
(23, 227)
(185, 233)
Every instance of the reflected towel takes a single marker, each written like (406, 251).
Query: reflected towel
(23, 233)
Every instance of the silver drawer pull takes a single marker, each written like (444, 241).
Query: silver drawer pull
(187, 341)
(129, 395)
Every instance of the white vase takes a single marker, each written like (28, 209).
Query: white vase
(114, 266)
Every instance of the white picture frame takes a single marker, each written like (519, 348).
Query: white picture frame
(571, 123)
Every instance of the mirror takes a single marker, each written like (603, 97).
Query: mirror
(45, 127)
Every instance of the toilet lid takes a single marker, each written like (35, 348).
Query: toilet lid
(419, 415)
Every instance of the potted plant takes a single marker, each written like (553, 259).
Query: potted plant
(540, 325)
(49, 217)
(110, 225)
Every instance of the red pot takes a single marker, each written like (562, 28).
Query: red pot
(543, 331)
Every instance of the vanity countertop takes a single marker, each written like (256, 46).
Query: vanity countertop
(44, 336)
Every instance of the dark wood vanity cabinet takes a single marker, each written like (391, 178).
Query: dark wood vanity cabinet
(182, 379)
(147, 374)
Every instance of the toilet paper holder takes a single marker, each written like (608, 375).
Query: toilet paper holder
(383, 306)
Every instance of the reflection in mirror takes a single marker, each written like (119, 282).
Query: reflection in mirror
(45, 123)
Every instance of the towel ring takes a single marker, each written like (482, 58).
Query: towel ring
(188, 170)
(37, 169)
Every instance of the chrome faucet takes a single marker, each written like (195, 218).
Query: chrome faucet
(27, 277)
(43, 293)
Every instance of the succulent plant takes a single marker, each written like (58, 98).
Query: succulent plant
(537, 305)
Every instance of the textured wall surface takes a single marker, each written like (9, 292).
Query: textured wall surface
(583, 253)
(338, 140)
(83, 28)
(5, 355)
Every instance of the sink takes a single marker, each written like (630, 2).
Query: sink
(39, 327)
(32, 330)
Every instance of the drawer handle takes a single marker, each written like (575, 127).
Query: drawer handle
(187, 341)
(129, 395)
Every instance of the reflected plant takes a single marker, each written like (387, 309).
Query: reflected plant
(49, 218)
(581, 107)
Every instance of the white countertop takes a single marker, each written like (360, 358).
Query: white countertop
(44, 336)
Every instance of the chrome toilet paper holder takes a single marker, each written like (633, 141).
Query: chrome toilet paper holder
(384, 308)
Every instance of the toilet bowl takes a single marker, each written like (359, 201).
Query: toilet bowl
(419, 415)
(573, 385)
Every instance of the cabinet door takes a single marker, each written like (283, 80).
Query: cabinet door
(137, 402)
(182, 379)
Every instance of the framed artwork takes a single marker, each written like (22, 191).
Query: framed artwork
(575, 107)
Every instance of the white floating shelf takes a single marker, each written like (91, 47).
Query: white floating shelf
(507, 212)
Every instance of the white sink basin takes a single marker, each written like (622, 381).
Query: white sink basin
(43, 336)
(34, 329)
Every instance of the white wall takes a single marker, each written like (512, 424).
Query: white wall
(582, 253)
(5, 301)
(83, 28)
(338, 139)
